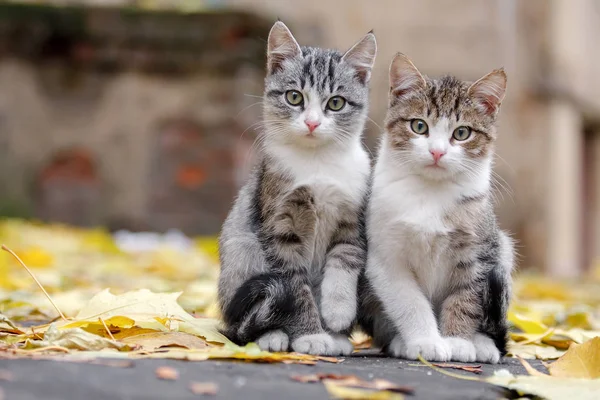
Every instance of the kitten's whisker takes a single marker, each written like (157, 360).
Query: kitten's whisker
(375, 123)
(246, 108)
(253, 95)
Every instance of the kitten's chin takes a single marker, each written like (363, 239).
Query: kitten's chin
(311, 141)
(435, 173)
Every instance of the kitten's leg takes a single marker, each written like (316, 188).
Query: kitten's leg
(343, 264)
(410, 312)
(307, 332)
(289, 238)
(461, 312)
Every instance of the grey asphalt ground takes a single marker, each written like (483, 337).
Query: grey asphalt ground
(59, 380)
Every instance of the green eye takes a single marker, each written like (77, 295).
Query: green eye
(336, 103)
(419, 126)
(294, 97)
(461, 133)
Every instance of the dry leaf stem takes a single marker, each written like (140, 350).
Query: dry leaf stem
(36, 281)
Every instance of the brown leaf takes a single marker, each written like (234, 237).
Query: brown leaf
(167, 373)
(318, 377)
(476, 369)
(157, 340)
(208, 388)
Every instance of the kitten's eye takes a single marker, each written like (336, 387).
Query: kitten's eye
(294, 97)
(461, 133)
(419, 126)
(336, 103)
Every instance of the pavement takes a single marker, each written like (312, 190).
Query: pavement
(61, 380)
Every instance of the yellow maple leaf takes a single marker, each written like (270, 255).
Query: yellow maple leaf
(580, 361)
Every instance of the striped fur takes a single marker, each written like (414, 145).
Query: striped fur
(438, 276)
(292, 246)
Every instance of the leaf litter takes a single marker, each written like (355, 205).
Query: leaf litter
(159, 301)
(111, 298)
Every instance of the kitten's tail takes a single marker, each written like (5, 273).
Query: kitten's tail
(262, 304)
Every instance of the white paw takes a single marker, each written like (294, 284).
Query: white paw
(318, 344)
(486, 350)
(338, 301)
(274, 341)
(344, 344)
(462, 349)
(431, 348)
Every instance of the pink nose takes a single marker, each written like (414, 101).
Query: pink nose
(437, 154)
(312, 125)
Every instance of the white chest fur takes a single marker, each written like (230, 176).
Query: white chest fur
(407, 224)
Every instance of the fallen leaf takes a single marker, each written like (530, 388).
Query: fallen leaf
(157, 340)
(534, 351)
(167, 373)
(74, 339)
(6, 325)
(339, 391)
(527, 325)
(313, 378)
(476, 369)
(202, 388)
(580, 361)
(376, 384)
(547, 387)
(530, 370)
(151, 310)
(361, 341)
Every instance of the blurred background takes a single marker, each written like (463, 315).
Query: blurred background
(138, 115)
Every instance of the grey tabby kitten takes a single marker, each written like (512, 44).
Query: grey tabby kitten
(438, 275)
(292, 247)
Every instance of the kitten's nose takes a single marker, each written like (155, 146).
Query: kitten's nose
(312, 125)
(437, 154)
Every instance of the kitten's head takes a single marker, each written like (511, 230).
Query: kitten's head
(442, 128)
(315, 96)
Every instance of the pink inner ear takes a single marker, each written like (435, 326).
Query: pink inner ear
(488, 105)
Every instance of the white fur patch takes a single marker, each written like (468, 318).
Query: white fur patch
(462, 349)
(320, 344)
(274, 341)
(338, 298)
(430, 348)
(487, 351)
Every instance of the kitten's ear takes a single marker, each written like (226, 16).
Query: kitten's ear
(281, 46)
(362, 56)
(405, 78)
(488, 92)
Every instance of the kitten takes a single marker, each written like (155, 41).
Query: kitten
(292, 247)
(438, 275)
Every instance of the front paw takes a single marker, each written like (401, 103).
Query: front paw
(274, 341)
(321, 344)
(486, 349)
(432, 348)
(462, 349)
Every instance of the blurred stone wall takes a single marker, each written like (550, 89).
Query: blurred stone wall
(138, 125)
(125, 118)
